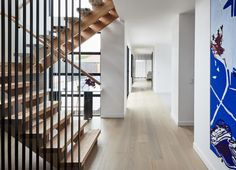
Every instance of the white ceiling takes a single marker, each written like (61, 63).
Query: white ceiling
(150, 22)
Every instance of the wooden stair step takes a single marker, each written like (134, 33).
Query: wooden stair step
(87, 143)
(48, 37)
(55, 124)
(62, 28)
(20, 73)
(20, 98)
(20, 85)
(41, 111)
(98, 26)
(54, 147)
(96, 14)
(76, 19)
(12, 66)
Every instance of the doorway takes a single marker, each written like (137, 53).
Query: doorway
(143, 69)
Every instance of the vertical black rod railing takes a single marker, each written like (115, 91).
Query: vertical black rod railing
(66, 79)
(9, 82)
(79, 38)
(51, 84)
(59, 82)
(31, 84)
(37, 84)
(72, 81)
(3, 85)
(16, 83)
(24, 88)
(45, 82)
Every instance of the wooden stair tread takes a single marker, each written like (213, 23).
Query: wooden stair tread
(86, 145)
(76, 19)
(62, 28)
(98, 26)
(48, 37)
(41, 111)
(20, 85)
(62, 137)
(20, 98)
(20, 73)
(96, 14)
(48, 124)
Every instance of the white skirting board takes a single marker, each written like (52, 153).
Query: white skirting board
(113, 116)
(203, 157)
(185, 123)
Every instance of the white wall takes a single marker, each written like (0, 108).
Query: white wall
(113, 71)
(162, 68)
(175, 71)
(186, 69)
(183, 70)
(202, 87)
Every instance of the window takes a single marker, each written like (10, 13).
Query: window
(90, 62)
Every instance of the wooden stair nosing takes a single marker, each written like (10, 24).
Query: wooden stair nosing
(76, 19)
(99, 28)
(19, 73)
(108, 18)
(41, 111)
(13, 65)
(20, 98)
(96, 14)
(114, 13)
(20, 85)
(48, 125)
(94, 20)
(86, 145)
(55, 148)
(93, 27)
(61, 28)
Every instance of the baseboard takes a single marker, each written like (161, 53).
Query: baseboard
(113, 116)
(203, 157)
(174, 119)
(185, 123)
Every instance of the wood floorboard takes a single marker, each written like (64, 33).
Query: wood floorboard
(146, 139)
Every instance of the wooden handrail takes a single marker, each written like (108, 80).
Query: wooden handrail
(55, 50)
(22, 27)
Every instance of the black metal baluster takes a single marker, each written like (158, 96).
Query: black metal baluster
(37, 84)
(51, 85)
(3, 85)
(66, 79)
(72, 81)
(79, 80)
(59, 82)
(16, 84)
(31, 84)
(24, 87)
(45, 83)
(9, 83)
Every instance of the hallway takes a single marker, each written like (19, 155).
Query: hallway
(147, 139)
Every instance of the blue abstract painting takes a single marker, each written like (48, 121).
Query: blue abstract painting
(223, 81)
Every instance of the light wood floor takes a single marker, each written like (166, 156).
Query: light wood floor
(147, 139)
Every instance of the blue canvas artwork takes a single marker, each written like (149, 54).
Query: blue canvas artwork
(223, 81)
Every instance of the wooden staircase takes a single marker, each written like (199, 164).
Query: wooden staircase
(100, 17)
